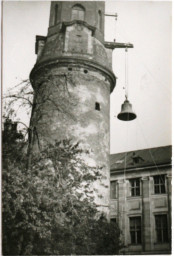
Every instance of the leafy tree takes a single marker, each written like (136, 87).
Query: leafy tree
(48, 201)
(49, 209)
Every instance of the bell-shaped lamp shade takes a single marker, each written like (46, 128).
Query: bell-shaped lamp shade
(126, 113)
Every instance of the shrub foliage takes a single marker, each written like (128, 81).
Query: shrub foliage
(49, 209)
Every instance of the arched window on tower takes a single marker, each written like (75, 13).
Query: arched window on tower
(55, 14)
(78, 12)
(99, 20)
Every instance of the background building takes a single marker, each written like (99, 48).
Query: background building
(141, 199)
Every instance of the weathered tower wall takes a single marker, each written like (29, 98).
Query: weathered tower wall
(72, 80)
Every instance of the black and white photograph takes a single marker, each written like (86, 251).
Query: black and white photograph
(86, 127)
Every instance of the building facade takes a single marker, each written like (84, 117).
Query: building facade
(141, 199)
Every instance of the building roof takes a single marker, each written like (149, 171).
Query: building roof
(141, 158)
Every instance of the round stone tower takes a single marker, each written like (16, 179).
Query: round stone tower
(72, 81)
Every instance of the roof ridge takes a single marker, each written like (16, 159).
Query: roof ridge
(131, 151)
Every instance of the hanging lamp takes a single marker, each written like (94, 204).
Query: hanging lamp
(126, 113)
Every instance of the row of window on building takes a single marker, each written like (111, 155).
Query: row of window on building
(135, 228)
(159, 183)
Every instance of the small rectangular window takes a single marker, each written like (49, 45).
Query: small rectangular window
(135, 230)
(159, 184)
(113, 189)
(161, 228)
(135, 187)
(113, 220)
(97, 106)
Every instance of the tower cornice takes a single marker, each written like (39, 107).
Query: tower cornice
(76, 61)
(70, 23)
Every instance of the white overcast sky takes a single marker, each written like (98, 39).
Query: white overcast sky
(147, 25)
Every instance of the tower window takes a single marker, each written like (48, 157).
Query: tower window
(113, 220)
(97, 106)
(99, 20)
(55, 14)
(78, 13)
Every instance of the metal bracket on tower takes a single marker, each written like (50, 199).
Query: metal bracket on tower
(113, 45)
(112, 15)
